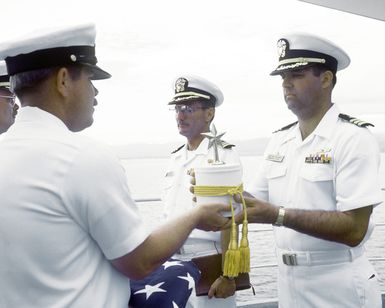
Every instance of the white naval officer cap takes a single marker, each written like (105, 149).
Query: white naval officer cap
(53, 47)
(301, 50)
(189, 88)
(4, 77)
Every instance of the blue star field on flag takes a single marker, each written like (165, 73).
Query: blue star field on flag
(169, 286)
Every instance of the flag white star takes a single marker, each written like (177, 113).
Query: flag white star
(171, 263)
(149, 290)
(174, 305)
(190, 279)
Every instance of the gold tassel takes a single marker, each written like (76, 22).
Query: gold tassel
(244, 248)
(232, 256)
(237, 259)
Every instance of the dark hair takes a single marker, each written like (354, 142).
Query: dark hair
(205, 104)
(26, 81)
(318, 69)
(209, 104)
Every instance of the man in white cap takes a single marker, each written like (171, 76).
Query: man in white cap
(318, 185)
(70, 232)
(194, 103)
(8, 106)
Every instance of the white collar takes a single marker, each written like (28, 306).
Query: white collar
(35, 114)
(202, 149)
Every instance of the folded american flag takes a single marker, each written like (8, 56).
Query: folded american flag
(169, 286)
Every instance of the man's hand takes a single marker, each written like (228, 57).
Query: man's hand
(258, 211)
(222, 287)
(191, 173)
(209, 216)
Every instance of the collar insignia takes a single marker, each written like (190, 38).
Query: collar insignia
(181, 85)
(275, 157)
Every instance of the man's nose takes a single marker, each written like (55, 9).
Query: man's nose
(180, 114)
(286, 82)
(95, 90)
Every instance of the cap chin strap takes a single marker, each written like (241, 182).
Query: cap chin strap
(5, 84)
(302, 60)
(189, 95)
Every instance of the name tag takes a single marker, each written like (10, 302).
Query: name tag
(275, 157)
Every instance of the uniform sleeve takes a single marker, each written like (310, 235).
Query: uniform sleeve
(98, 197)
(357, 163)
(168, 187)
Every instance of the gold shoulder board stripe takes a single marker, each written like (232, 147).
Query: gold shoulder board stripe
(355, 121)
(226, 145)
(177, 149)
(285, 127)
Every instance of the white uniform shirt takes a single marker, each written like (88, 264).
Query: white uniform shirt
(176, 196)
(348, 182)
(65, 211)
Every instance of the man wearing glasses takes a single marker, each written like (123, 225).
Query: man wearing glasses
(8, 107)
(194, 104)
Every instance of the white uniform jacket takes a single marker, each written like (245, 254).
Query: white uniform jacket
(347, 179)
(336, 168)
(65, 211)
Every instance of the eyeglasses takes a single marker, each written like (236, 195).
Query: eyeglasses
(189, 109)
(10, 99)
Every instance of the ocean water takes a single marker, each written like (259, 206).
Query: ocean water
(145, 179)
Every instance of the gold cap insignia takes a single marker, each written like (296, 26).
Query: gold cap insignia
(180, 85)
(282, 45)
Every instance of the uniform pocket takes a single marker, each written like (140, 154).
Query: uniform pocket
(316, 187)
(317, 172)
(276, 172)
(367, 285)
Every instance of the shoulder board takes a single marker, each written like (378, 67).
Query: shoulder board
(226, 145)
(177, 149)
(285, 127)
(355, 121)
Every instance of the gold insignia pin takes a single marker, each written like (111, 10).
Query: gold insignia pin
(319, 158)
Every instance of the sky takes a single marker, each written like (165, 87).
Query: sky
(146, 44)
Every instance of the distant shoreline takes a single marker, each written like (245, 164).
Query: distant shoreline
(249, 147)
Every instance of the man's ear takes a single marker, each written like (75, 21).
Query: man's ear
(327, 79)
(63, 81)
(210, 114)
